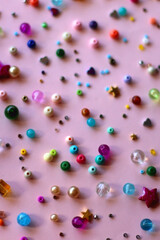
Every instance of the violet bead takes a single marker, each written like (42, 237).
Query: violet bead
(25, 28)
(24, 238)
(40, 199)
(104, 150)
(78, 222)
(38, 96)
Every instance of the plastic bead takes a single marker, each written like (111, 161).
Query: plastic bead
(152, 70)
(4, 188)
(79, 92)
(67, 36)
(146, 224)
(100, 160)
(122, 11)
(56, 98)
(30, 133)
(110, 130)
(13, 50)
(81, 159)
(23, 151)
(127, 79)
(151, 171)
(28, 174)
(69, 140)
(65, 165)
(48, 111)
(23, 219)
(102, 189)
(93, 25)
(138, 156)
(55, 11)
(94, 43)
(79, 222)
(53, 152)
(114, 34)
(44, 25)
(134, 1)
(57, 3)
(40, 199)
(60, 53)
(54, 217)
(14, 72)
(73, 149)
(24, 238)
(92, 170)
(25, 28)
(31, 44)
(38, 96)
(154, 94)
(136, 100)
(129, 189)
(11, 112)
(55, 190)
(48, 157)
(3, 95)
(85, 112)
(104, 150)
(34, 3)
(91, 122)
(77, 25)
(73, 192)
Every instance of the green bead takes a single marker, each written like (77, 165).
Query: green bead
(100, 160)
(11, 112)
(154, 94)
(110, 130)
(151, 171)
(44, 25)
(79, 92)
(60, 53)
(65, 165)
(53, 152)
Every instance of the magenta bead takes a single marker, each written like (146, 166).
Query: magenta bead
(4, 71)
(38, 96)
(135, 1)
(40, 199)
(79, 222)
(77, 25)
(25, 28)
(94, 43)
(104, 150)
(24, 238)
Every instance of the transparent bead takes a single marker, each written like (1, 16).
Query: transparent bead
(154, 94)
(102, 189)
(146, 224)
(38, 96)
(138, 156)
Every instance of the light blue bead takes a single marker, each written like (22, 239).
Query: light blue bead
(146, 224)
(58, 42)
(91, 122)
(79, 84)
(107, 89)
(92, 170)
(57, 3)
(122, 11)
(102, 72)
(100, 160)
(142, 171)
(30, 133)
(16, 34)
(23, 219)
(110, 130)
(48, 8)
(129, 189)
(125, 40)
(73, 149)
(106, 71)
(88, 85)
(109, 56)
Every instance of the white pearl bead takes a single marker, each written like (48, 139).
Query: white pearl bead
(69, 140)
(47, 157)
(151, 70)
(13, 50)
(67, 36)
(48, 111)
(54, 217)
(146, 41)
(56, 98)
(28, 174)
(14, 71)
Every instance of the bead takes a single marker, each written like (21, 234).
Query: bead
(73, 149)
(151, 171)
(104, 150)
(30, 133)
(81, 159)
(125, 235)
(48, 111)
(73, 192)
(136, 100)
(93, 25)
(91, 122)
(100, 160)
(94, 43)
(134, 1)
(65, 165)
(138, 156)
(47, 157)
(14, 72)
(102, 189)
(38, 96)
(11, 112)
(13, 50)
(60, 53)
(25, 28)
(112, 61)
(54, 217)
(138, 237)
(44, 25)
(110, 130)
(127, 79)
(114, 34)
(92, 170)
(79, 92)
(28, 174)
(153, 152)
(151, 70)
(154, 94)
(40, 199)
(141, 47)
(153, 21)
(3, 95)
(122, 11)
(23, 219)
(67, 36)
(77, 25)
(57, 3)
(69, 140)
(129, 189)
(85, 112)
(146, 224)
(4, 71)
(79, 222)
(146, 40)
(31, 44)
(55, 11)
(23, 151)
(34, 3)
(53, 152)
(24, 238)
(4, 188)
(56, 98)
(55, 190)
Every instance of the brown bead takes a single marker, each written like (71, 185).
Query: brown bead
(136, 100)
(85, 112)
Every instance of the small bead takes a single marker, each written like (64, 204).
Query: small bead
(60, 53)
(55, 190)
(13, 50)
(21, 158)
(69, 140)
(136, 100)
(110, 215)
(24, 98)
(124, 115)
(151, 171)
(54, 217)
(77, 25)
(8, 145)
(79, 92)
(25, 28)
(100, 160)
(3, 95)
(57, 3)
(138, 156)
(20, 136)
(53, 152)
(142, 171)
(31, 44)
(153, 152)
(81, 159)
(127, 79)
(28, 174)
(11, 112)
(91, 122)
(141, 47)
(138, 237)
(112, 61)
(23, 151)
(40, 199)
(92, 170)
(48, 157)
(66, 118)
(141, 63)
(43, 72)
(55, 11)
(60, 122)
(65, 166)
(14, 72)
(153, 21)
(110, 130)
(114, 34)
(93, 25)
(44, 25)
(146, 224)
(56, 98)
(125, 235)
(101, 116)
(122, 11)
(94, 43)
(30, 133)
(61, 234)
(85, 112)
(152, 70)
(127, 106)
(48, 111)
(73, 149)
(24, 238)
(67, 36)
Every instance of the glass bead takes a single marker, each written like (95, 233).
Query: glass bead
(104, 150)
(11, 112)
(73, 149)
(129, 189)
(92, 170)
(127, 79)
(57, 3)
(38, 96)
(23, 219)
(93, 25)
(85, 112)
(79, 222)
(136, 100)
(110, 130)
(91, 122)
(151, 171)
(4, 188)
(122, 11)
(40, 199)
(154, 94)
(44, 25)
(65, 165)
(102, 189)
(30, 133)
(31, 44)
(25, 28)
(81, 159)
(138, 156)
(146, 224)
(60, 53)
(100, 160)
(79, 92)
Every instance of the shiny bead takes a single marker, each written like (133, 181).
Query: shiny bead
(81, 159)
(55, 11)
(153, 152)
(154, 94)
(127, 79)
(56, 98)
(79, 222)
(53, 152)
(151, 171)
(24, 238)
(3, 95)
(77, 25)
(94, 43)
(152, 70)
(104, 150)
(136, 100)
(14, 72)
(138, 156)
(146, 224)
(11, 112)
(57, 3)
(141, 63)
(13, 50)
(34, 3)
(54, 217)
(85, 112)
(134, 1)
(73, 192)
(25, 28)
(91, 122)
(28, 174)
(4, 188)
(114, 34)
(93, 25)
(23, 151)
(100, 160)
(4, 71)
(23, 219)
(24, 98)
(44, 25)
(38, 96)
(31, 44)
(48, 111)
(47, 157)
(60, 53)
(110, 130)
(55, 190)
(73, 149)
(69, 140)
(30, 133)
(92, 170)
(122, 11)
(65, 165)
(40, 199)
(102, 189)
(79, 92)
(129, 189)
(67, 36)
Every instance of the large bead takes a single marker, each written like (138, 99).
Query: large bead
(73, 192)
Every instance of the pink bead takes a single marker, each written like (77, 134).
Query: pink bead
(40, 199)
(3, 94)
(38, 96)
(77, 24)
(24, 238)
(81, 159)
(94, 42)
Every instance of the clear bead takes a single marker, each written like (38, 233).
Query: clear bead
(102, 189)
(138, 156)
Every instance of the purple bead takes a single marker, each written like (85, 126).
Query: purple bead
(4, 71)
(24, 238)
(104, 150)
(79, 222)
(25, 28)
(38, 96)
(40, 199)
(127, 79)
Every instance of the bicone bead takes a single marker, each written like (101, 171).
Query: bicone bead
(154, 94)
(73, 149)
(77, 25)
(11, 112)
(48, 157)
(23, 219)
(79, 222)
(69, 140)
(65, 165)
(14, 72)
(129, 189)
(28, 174)
(94, 42)
(38, 96)
(81, 159)
(56, 98)
(31, 44)
(13, 50)
(67, 36)
(3, 95)
(104, 150)
(100, 160)
(146, 224)
(91, 122)
(25, 28)
(48, 111)
(92, 170)
(138, 156)
(102, 189)
(30, 133)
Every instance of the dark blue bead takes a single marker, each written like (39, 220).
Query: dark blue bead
(31, 44)
(93, 25)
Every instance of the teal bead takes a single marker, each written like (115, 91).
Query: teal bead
(110, 130)
(100, 160)
(122, 11)
(129, 189)
(92, 170)
(30, 133)
(154, 94)
(73, 149)
(65, 165)
(91, 122)
(11, 112)
(23, 219)
(146, 224)
(57, 3)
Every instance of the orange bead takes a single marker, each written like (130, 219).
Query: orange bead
(153, 21)
(34, 3)
(1, 222)
(114, 34)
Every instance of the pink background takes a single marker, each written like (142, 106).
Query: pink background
(128, 211)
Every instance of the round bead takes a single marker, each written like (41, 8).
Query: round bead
(31, 44)
(73, 149)
(146, 41)
(100, 160)
(48, 157)
(40, 199)
(81, 159)
(91, 122)
(122, 11)
(65, 165)
(138, 156)
(11, 112)
(28, 174)
(57, 3)
(3, 94)
(25, 28)
(48, 111)
(14, 72)
(77, 25)
(55, 190)
(30, 133)
(85, 112)
(23, 151)
(151, 171)
(44, 25)
(93, 25)
(73, 192)
(69, 140)
(152, 70)
(67, 36)
(136, 100)
(154, 94)
(104, 150)
(23, 219)
(79, 92)
(53, 152)
(110, 130)
(146, 224)
(34, 3)
(38, 96)
(24, 238)
(92, 170)
(60, 53)
(94, 43)
(129, 189)
(54, 217)
(114, 34)
(127, 79)
(102, 189)
(78, 222)
(13, 50)
(56, 98)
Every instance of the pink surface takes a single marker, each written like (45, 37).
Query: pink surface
(128, 211)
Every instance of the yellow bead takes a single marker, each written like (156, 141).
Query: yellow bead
(127, 106)
(54, 217)
(23, 151)
(132, 19)
(14, 71)
(55, 190)
(47, 157)
(141, 47)
(153, 152)
(73, 192)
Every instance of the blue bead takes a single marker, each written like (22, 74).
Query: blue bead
(102, 72)
(58, 42)
(127, 79)
(30, 133)
(16, 33)
(57, 3)
(91, 122)
(142, 171)
(79, 84)
(107, 89)
(109, 56)
(23, 219)
(73, 149)
(31, 44)
(48, 8)
(93, 25)
(88, 85)
(146, 224)
(122, 11)
(106, 71)
(129, 189)
(92, 170)
(125, 40)
(100, 160)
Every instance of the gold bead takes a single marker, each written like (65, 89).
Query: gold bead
(14, 71)
(24, 98)
(55, 190)
(54, 217)
(73, 192)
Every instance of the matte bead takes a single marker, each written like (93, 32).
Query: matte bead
(110, 130)
(13, 50)
(3, 94)
(91, 122)
(94, 43)
(92, 170)
(48, 157)
(93, 25)
(79, 222)
(104, 150)
(73, 192)
(38, 96)
(69, 140)
(53, 152)
(65, 165)
(114, 34)
(102, 189)
(55, 190)
(40, 199)
(154, 94)
(122, 11)
(31, 44)
(67, 36)
(77, 24)
(73, 149)
(23, 219)
(81, 159)
(11, 112)
(85, 112)
(127, 79)
(30, 133)
(138, 156)
(129, 189)
(27, 174)
(146, 224)
(100, 160)
(57, 3)
(48, 111)
(56, 98)
(136, 100)
(151, 171)
(60, 53)
(14, 72)
(25, 28)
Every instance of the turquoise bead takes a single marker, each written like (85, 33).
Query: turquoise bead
(73, 149)
(129, 189)
(110, 130)
(57, 3)
(91, 122)
(122, 11)
(23, 219)
(30, 133)
(146, 224)
(92, 170)
(99, 159)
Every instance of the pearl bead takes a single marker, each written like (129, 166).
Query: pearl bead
(67, 36)
(28, 174)
(151, 70)
(48, 111)
(54, 217)
(69, 140)
(77, 25)
(55, 190)
(56, 98)
(94, 43)
(47, 157)
(13, 50)
(146, 41)
(3, 94)
(73, 192)
(14, 71)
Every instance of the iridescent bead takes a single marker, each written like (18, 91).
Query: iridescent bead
(30, 133)
(138, 156)
(25, 28)
(129, 189)
(73, 149)
(11, 112)
(23, 219)
(104, 150)
(146, 224)
(102, 189)
(79, 222)
(38, 96)
(100, 160)
(57, 3)
(91, 122)
(154, 94)
(92, 170)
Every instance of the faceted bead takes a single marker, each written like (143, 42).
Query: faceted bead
(25, 28)
(4, 188)
(79, 222)
(85, 112)
(151, 171)
(11, 112)
(38, 96)
(30, 133)
(57, 3)
(136, 100)
(146, 224)
(102, 189)
(65, 165)
(129, 189)
(100, 160)
(154, 94)
(73, 149)
(23, 219)
(91, 122)
(138, 156)
(104, 150)
(92, 170)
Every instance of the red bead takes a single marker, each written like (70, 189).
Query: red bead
(136, 100)
(114, 34)
(55, 11)
(34, 3)
(4, 71)
(81, 159)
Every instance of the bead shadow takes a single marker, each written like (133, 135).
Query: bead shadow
(36, 221)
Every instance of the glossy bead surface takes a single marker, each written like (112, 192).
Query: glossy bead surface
(14, 72)
(38, 96)
(85, 112)
(67, 36)
(65, 165)
(23, 151)
(136, 100)
(114, 34)
(54, 217)
(151, 70)
(127, 79)
(138, 156)
(48, 111)
(56, 98)
(110, 130)
(69, 140)
(11, 112)
(78, 222)
(100, 160)
(57, 3)
(53, 152)
(40, 199)
(93, 25)
(151, 171)
(25, 28)
(13, 50)
(122, 11)
(154, 94)
(73, 192)
(47, 157)
(77, 25)
(34, 3)
(30, 133)
(55, 190)
(73, 149)
(31, 44)
(102, 189)
(146, 224)
(104, 150)
(134, 1)
(81, 159)
(60, 53)
(92, 170)
(94, 43)
(129, 189)
(27, 174)
(3, 94)
(91, 122)
(23, 219)
(24, 238)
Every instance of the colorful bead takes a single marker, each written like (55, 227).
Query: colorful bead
(93, 25)
(38, 96)
(92, 170)
(73, 192)
(44, 25)
(122, 11)
(14, 72)
(136, 100)
(142, 171)
(25, 28)
(13, 50)
(3, 95)
(129, 189)
(146, 224)
(30, 133)
(138, 156)
(104, 150)
(94, 42)
(79, 92)
(100, 160)
(114, 34)
(53, 152)
(40, 199)
(28, 174)
(57, 3)
(56, 98)
(48, 111)
(55, 190)
(55, 11)
(23, 151)
(110, 130)
(11, 112)
(91, 122)
(151, 171)
(77, 25)
(81, 159)
(79, 222)
(153, 152)
(67, 36)
(31, 44)
(127, 79)
(24, 238)
(102, 189)
(85, 112)
(23, 219)
(4, 188)
(154, 94)
(73, 149)
(60, 53)
(69, 140)
(54, 217)
(47, 157)
(65, 165)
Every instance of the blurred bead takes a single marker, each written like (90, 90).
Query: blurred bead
(13, 50)
(14, 71)
(11, 112)
(23, 219)
(138, 156)
(55, 190)
(25, 28)
(129, 189)
(102, 189)
(69, 140)
(100, 160)
(47, 157)
(40, 199)
(28, 174)
(136, 100)
(146, 40)
(141, 63)
(146, 224)
(110, 130)
(127, 79)
(73, 192)
(85, 112)
(1, 222)
(56, 98)
(53, 152)
(54, 217)
(104, 150)
(55, 11)
(151, 171)
(65, 165)
(67, 36)
(44, 25)
(77, 24)
(57, 3)
(48, 111)
(60, 53)
(93, 25)
(79, 222)
(154, 94)
(81, 159)
(31, 44)
(114, 34)
(73, 149)
(134, 1)
(92, 170)
(23, 151)
(152, 70)
(122, 11)
(91, 122)
(24, 98)
(30, 133)
(34, 3)
(3, 94)
(24, 238)
(38, 96)
(94, 42)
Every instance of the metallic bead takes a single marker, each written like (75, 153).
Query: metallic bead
(55, 190)
(24, 98)
(73, 192)
(14, 71)
(54, 217)
(133, 137)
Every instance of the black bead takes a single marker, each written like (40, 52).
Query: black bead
(101, 116)
(8, 145)
(60, 122)
(108, 238)
(125, 235)
(66, 118)
(144, 10)
(19, 136)
(75, 51)
(62, 78)
(76, 75)
(124, 115)
(21, 158)
(23, 168)
(112, 61)
(61, 234)
(43, 72)
(78, 60)
(138, 237)
(111, 215)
